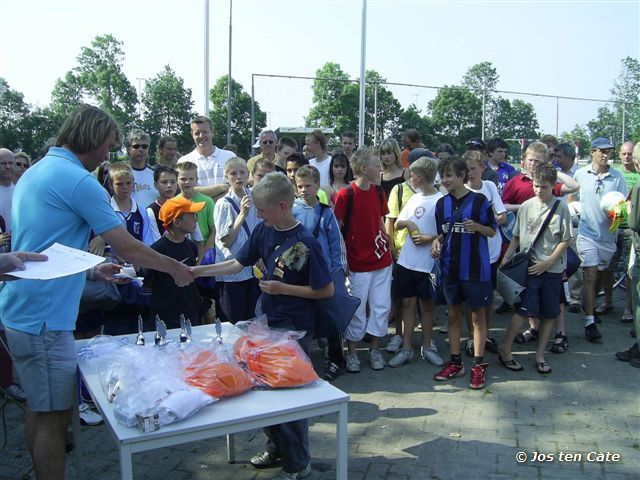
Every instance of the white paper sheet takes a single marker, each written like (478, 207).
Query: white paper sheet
(62, 261)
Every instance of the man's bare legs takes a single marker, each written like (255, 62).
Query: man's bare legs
(46, 434)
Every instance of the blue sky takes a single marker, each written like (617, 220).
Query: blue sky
(566, 48)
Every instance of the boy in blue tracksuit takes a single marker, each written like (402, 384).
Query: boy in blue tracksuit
(319, 220)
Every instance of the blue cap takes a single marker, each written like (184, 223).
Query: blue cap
(601, 143)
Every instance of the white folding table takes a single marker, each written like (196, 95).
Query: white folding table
(254, 409)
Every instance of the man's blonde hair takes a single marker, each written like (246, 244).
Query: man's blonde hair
(186, 166)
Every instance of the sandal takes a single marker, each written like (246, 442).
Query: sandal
(529, 335)
(560, 344)
(627, 318)
(602, 309)
(510, 364)
(543, 368)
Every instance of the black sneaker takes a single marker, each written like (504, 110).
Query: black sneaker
(504, 308)
(597, 319)
(491, 345)
(592, 333)
(575, 308)
(332, 371)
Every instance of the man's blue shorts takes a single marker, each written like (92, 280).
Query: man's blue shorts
(541, 298)
(475, 294)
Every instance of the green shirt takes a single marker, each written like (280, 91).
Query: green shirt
(631, 179)
(395, 202)
(205, 216)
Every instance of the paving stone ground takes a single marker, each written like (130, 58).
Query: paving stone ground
(405, 426)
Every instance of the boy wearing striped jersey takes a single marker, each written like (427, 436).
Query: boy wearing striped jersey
(464, 220)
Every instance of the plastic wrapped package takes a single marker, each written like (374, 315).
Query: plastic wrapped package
(170, 398)
(274, 358)
(215, 372)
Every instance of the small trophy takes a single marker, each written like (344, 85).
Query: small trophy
(218, 330)
(161, 332)
(140, 337)
(185, 333)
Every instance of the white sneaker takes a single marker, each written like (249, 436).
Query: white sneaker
(431, 355)
(353, 363)
(394, 344)
(400, 358)
(376, 359)
(88, 416)
(282, 475)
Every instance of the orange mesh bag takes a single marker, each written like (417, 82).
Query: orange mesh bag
(274, 361)
(215, 375)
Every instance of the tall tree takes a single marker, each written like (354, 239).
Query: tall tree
(455, 116)
(99, 71)
(626, 91)
(579, 137)
(167, 108)
(515, 119)
(13, 113)
(240, 115)
(336, 103)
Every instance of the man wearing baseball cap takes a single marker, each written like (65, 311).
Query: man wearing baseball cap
(596, 244)
(178, 215)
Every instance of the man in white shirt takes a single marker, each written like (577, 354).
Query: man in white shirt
(144, 191)
(209, 159)
(316, 143)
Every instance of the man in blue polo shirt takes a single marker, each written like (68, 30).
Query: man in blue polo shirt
(58, 200)
(596, 244)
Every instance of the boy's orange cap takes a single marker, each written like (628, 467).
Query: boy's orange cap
(176, 206)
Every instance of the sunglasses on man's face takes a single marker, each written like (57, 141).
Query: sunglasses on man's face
(268, 142)
(25, 165)
(137, 146)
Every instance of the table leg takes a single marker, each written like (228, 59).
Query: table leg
(126, 466)
(231, 448)
(342, 442)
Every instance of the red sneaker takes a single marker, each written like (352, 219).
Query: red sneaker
(477, 376)
(449, 371)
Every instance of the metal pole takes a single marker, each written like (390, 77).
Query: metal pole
(375, 114)
(253, 112)
(140, 95)
(363, 49)
(229, 96)
(557, 116)
(484, 101)
(206, 58)
(624, 114)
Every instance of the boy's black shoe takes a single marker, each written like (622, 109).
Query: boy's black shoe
(332, 371)
(491, 345)
(504, 308)
(266, 460)
(592, 333)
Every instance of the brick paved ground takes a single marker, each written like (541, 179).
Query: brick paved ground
(403, 425)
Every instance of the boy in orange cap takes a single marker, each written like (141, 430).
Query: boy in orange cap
(168, 301)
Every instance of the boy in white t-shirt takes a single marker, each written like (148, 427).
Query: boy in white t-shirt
(475, 165)
(414, 265)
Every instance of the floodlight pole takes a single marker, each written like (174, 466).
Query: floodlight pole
(206, 58)
(229, 96)
(363, 49)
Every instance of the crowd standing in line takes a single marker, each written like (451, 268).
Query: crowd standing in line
(405, 229)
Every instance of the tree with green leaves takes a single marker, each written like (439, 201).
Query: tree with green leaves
(99, 71)
(13, 112)
(411, 117)
(167, 109)
(580, 137)
(455, 115)
(336, 103)
(240, 116)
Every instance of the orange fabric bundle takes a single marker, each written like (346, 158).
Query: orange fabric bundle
(215, 376)
(275, 363)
